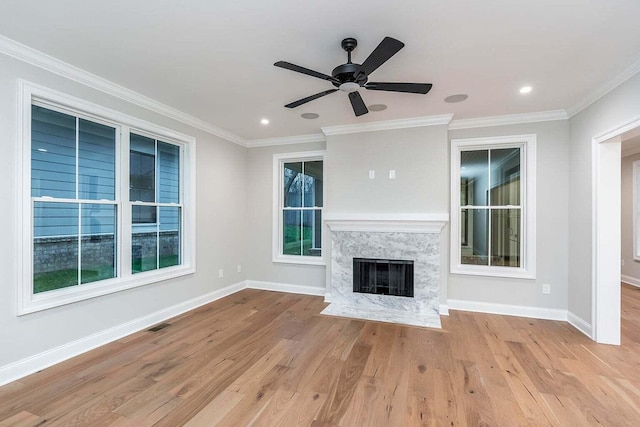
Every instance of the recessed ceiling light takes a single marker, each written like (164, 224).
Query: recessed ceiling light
(264, 121)
(43, 150)
(525, 89)
(377, 107)
(456, 98)
(309, 116)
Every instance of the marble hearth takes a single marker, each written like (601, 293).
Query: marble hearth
(400, 237)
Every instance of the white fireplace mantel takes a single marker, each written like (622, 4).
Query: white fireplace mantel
(387, 223)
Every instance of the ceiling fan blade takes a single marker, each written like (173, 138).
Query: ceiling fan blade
(385, 50)
(358, 104)
(310, 98)
(422, 88)
(299, 69)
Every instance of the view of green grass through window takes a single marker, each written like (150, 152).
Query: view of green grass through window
(302, 208)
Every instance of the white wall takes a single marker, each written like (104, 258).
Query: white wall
(619, 106)
(260, 221)
(420, 158)
(221, 231)
(418, 155)
(552, 222)
(631, 267)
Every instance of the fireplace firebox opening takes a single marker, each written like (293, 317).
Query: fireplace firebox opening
(383, 276)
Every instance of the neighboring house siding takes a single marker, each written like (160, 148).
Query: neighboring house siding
(53, 173)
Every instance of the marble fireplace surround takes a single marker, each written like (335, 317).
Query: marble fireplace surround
(413, 237)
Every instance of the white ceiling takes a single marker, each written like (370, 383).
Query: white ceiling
(214, 59)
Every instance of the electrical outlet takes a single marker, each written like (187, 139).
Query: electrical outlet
(546, 289)
(239, 268)
(392, 174)
(372, 174)
(220, 273)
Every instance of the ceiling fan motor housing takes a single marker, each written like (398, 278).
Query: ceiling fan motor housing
(346, 73)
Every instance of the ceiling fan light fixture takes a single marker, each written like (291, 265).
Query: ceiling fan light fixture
(349, 87)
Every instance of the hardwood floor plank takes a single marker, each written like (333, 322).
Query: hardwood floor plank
(270, 359)
(21, 419)
(342, 389)
(216, 410)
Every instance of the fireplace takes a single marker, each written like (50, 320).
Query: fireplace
(395, 259)
(383, 277)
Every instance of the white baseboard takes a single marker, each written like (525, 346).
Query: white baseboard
(580, 324)
(630, 280)
(444, 310)
(29, 365)
(284, 287)
(327, 297)
(508, 310)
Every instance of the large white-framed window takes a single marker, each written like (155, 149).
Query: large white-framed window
(298, 201)
(107, 201)
(493, 206)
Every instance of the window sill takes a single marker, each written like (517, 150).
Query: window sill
(69, 295)
(507, 272)
(302, 260)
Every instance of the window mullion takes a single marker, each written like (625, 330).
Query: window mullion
(125, 214)
(523, 181)
(77, 157)
(79, 243)
(79, 273)
(302, 183)
(489, 211)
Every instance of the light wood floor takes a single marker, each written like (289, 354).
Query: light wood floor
(269, 359)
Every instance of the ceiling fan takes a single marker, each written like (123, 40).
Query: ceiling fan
(350, 77)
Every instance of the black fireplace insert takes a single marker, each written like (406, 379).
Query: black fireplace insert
(383, 276)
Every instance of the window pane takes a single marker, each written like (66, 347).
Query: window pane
(55, 246)
(98, 242)
(144, 214)
(169, 236)
(144, 251)
(312, 184)
(169, 170)
(96, 161)
(291, 242)
(142, 169)
(505, 237)
(505, 177)
(311, 233)
(474, 177)
(292, 185)
(144, 240)
(475, 249)
(53, 154)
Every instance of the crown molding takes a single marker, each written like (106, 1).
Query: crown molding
(443, 119)
(49, 63)
(607, 87)
(286, 140)
(510, 119)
